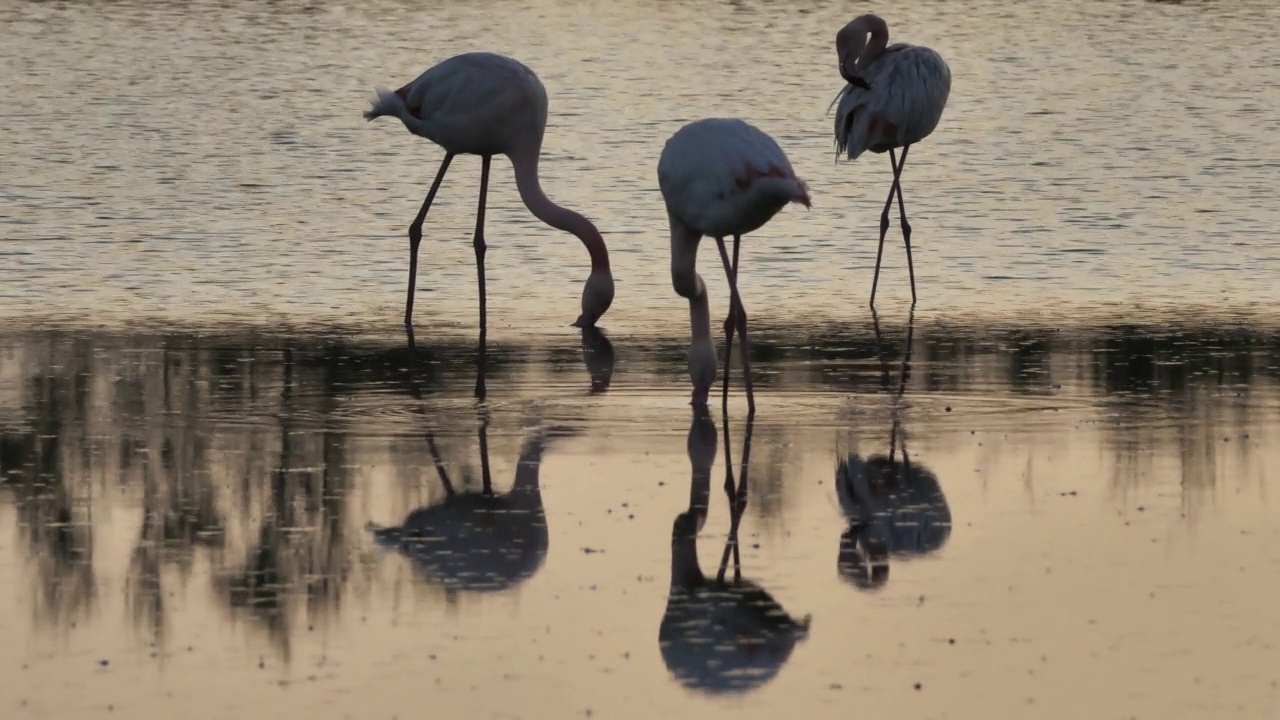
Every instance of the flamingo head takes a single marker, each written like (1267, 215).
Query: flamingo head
(849, 71)
(851, 47)
(597, 296)
(801, 193)
(702, 368)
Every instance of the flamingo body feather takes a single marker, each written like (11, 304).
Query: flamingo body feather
(722, 177)
(909, 89)
(477, 103)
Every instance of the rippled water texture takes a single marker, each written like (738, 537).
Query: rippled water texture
(228, 490)
(199, 162)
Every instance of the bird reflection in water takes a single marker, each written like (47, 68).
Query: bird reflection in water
(598, 356)
(483, 541)
(719, 635)
(478, 541)
(893, 507)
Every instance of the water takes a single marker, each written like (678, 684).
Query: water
(207, 162)
(223, 477)
(1083, 521)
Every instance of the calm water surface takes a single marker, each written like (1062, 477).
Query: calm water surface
(227, 490)
(1045, 524)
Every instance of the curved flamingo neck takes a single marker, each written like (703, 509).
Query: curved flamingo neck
(561, 218)
(879, 30)
(526, 492)
(688, 283)
(686, 571)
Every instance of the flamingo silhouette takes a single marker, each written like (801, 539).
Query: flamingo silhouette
(894, 98)
(485, 104)
(720, 177)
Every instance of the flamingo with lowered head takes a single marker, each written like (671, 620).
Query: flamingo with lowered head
(484, 104)
(894, 98)
(720, 177)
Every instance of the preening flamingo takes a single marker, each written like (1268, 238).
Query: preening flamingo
(895, 97)
(720, 177)
(485, 104)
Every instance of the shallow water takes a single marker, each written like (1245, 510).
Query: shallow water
(228, 490)
(1071, 522)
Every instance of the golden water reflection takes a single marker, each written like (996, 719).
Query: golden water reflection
(323, 498)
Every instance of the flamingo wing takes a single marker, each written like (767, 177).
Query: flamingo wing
(909, 89)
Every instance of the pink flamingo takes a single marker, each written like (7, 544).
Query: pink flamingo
(895, 97)
(720, 177)
(485, 104)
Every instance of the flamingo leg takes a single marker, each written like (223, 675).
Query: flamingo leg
(730, 490)
(728, 331)
(480, 249)
(485, 476)
(737, 507)
(894, 189)
(884, 360)
(902, 215)
(742, 491)
(740, 317)
(902, 388)
(439, 463)
(415, 238)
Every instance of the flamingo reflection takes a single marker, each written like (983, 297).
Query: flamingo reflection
(484, 541)
(717, 635)
(478, 541)
(598, 356)
(894, 507)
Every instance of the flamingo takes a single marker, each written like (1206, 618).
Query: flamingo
(894, 99)
(486, 104)
(720, 177)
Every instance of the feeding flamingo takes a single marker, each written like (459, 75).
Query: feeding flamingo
(720, 177)
(895, 97)
(485, 104)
